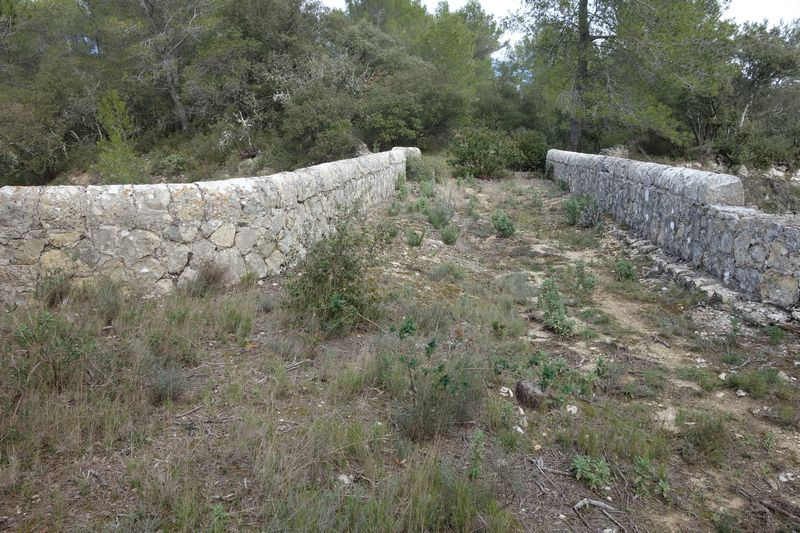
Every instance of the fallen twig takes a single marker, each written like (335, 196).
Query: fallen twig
(585, 523)
(595, 503)
(189, 412)
(298, 364)
(608, 515)
(659, 340)
(774, 508)
(747, 362)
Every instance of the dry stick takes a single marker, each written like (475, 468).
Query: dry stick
(608, 515)
(747, 362)
(189, 412)
(774, 508)
(659, 340)
(585, 523)
(298, 364)
(596, 503)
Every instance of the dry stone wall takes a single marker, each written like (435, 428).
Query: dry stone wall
(160, 235)
(697, 216)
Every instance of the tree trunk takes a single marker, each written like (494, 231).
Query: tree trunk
(173, 84)
(581, 75)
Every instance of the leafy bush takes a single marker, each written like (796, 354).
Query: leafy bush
(705, 438)
(439, 214)
(593, 471)
(329, 287)
(442, 395)
(482, 153)
(414, 239)
(555, 312)
(503, 225)
(624, 270)
(450, 235)
(171, 165)
(428, 189)
(421, 169)
(582, 211)
(531, 152)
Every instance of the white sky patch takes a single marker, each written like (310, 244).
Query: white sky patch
(773, 11)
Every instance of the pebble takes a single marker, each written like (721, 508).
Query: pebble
(740, 393)
(572, 409)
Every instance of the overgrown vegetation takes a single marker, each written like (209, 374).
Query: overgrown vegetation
(329, 289)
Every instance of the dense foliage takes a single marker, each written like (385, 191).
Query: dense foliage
(131, 90)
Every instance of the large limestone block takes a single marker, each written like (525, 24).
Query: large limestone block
(18, 210)
(26, 251)
(138, 244)
(224, 236)
(779, 289)
(152, 202)
(221, 199)
(63, 208)
(111, 205)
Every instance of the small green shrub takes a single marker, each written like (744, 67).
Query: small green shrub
(442, 394)
(421, 169)
(428, 189)
(649, 477)
(593, 471)
(624, 270)
(450, 234)
(386, 232)
(705, 437)
(582, 211)
(482, 153)
(757, 383)
(585, 281)
(555, 313)
(171, 165)
(439, 214)
(166, 384)
(775, 334)
(414, 239)
(330, 287)
(53, 353)
(502, 223)
(448, 271)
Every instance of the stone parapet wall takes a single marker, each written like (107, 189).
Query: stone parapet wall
(695, 215)
(160, 235)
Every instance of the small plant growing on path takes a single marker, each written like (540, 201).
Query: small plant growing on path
(555, 313)
(450, 235)
(414, 239)
(582, 211)
(503, 225)
(593, 471)
(624, 270)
